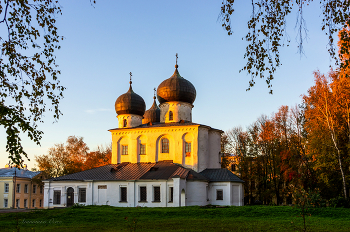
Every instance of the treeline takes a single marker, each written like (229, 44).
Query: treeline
(306, 147)
(72, 157)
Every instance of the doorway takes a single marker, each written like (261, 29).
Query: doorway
(70, 197)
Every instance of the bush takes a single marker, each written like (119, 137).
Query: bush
(77, 205)
(339, 202)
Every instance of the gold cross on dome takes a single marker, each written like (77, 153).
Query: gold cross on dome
(176, 58)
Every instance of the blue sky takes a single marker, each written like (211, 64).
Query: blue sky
(104, 43)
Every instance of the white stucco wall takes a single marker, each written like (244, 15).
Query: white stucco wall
(185, 193)
(214, 139)
(237, 194)
(197, 193)
(131, 119)
(181, 111)
(213, 187)
(203, 149)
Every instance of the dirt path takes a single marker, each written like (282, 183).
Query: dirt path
(14, 210)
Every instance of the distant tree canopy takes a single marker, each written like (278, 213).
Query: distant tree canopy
(267, 31)
(305, 147)
(63, 159)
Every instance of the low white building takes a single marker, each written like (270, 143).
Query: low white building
(162, 184)
(160, 158)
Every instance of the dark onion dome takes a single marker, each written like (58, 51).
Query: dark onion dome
(176, 88)
(130, 103)
(152, 114)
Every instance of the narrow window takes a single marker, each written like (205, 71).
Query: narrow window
(187, 149)
(6, 203)
(17, 203)
(123, 194)
(33, 203)
(57, 197)
(40, 203)
(7, 187)
(143, 194)
(171, 116)
(156, 193)
(233, 167)
(18, 189)
(171, 192)
(41, 189)
(142, 149)
(25, 203)
(125, 123)
(219, 194)
(124, 149)
(25, 188)
(82, 195)
(34, 188)
(165, 145)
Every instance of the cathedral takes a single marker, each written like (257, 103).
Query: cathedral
(160, 158)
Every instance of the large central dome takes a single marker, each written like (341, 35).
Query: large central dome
(176, 88)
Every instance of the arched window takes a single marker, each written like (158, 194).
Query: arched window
(125, 123)
(165, 145)
(171, 116)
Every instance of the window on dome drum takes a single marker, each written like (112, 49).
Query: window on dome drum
(125, 123)
(82, 195)
(171, 194)
(156, 194)
(33, 203)
(34, 188)
(219, 194)
(142, 149)
(171, 116)
(123, 194)
(57, 197)
(143, 194)
(165, 145)
(18, 189)
(124, 149)
(187, 149)
(25, 188)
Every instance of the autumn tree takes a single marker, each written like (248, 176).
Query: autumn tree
(272, 158)
(267, 31)
(327, 122)
(74, 156)
(63, 159)
(102, 156)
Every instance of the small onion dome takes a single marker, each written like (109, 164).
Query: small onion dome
(152, 114)
(130, 103)
(176, 88)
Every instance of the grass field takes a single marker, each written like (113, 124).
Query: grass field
(106, 218)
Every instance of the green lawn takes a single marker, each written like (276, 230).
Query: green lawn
(106, 218)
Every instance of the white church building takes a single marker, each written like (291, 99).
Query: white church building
(160, 158)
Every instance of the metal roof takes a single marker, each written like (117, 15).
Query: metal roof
(220, 174)
(162, 170)
(11, 172)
